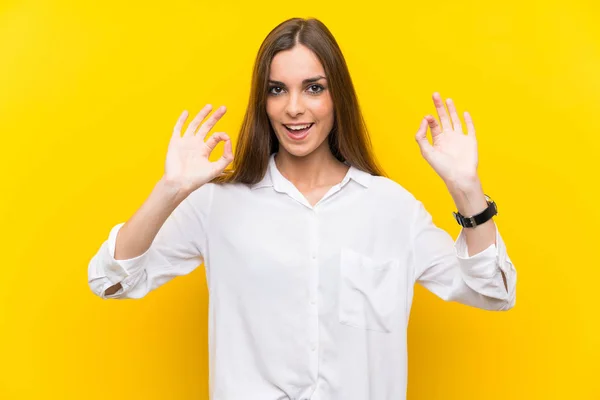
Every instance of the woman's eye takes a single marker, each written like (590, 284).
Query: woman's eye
(275, 90)
(312, 89)
(316, 89)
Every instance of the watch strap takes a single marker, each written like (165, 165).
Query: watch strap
(485, 215)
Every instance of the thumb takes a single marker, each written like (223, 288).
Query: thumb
(226, 159)
(421, 137)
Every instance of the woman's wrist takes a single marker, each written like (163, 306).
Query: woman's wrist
(172, 191)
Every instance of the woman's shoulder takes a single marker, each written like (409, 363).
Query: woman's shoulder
(224, 191)
(389, 188)
(211, 195)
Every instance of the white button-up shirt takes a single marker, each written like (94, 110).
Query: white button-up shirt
(309, 302)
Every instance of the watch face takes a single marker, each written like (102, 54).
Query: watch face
(491, 202)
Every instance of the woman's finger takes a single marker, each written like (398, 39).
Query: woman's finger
(191, 129)
(179, 124)
(228, 151)
(436, 129)
(470, 126)
(421, 137)
(441, 111)
(215, 138)
(225, 159)
(454, 116)
(208, 125)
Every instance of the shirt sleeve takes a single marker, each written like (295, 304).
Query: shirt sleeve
(444, 267)
(178, 248)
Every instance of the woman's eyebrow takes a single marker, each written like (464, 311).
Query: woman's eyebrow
(309, 80)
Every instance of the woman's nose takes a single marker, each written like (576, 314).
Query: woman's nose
(294, 105)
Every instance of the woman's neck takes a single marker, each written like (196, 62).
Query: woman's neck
(317, 169)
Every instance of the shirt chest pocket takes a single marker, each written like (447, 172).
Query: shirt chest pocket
(369, 291)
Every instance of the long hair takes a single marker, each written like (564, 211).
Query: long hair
(348, 140)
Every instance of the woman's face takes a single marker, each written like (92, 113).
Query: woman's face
(299, 103)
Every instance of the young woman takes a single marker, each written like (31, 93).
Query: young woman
(310, 253)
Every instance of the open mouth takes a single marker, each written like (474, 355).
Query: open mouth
(299, 131)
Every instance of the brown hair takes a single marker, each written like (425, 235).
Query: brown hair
(348, 140)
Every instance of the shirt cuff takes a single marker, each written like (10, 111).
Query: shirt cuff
(484, 264)
(118, 270)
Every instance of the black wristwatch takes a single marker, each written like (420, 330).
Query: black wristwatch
(472, 222)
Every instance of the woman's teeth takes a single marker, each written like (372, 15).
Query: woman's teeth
(297, 128)
(299, 132)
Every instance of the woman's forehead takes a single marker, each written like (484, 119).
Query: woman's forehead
(295, 65)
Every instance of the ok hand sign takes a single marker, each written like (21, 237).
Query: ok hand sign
(187, 165)
(453, 155)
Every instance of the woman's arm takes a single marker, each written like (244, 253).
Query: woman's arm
(477, 269)
(165, 238)
(137, 234)
(485, 279)
(470, 200)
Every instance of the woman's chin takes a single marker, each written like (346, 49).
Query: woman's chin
(297, 149)
(301, 149)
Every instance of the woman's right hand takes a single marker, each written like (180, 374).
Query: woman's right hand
(187, 166)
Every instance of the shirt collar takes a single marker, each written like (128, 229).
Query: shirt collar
(274, 178)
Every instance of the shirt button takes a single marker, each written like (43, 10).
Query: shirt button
(313, 302)
(314, 256)
(313, 348)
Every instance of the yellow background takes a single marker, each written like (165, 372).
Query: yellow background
(89, 93)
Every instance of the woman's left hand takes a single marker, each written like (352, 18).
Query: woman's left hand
(453, 155)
